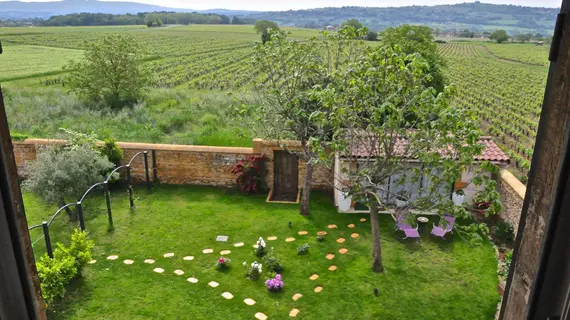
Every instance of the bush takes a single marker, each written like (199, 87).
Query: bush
(260, 248)
(254, 271)
(112, 151)
(320, 238)
(275, 284)
(506, 265)
(273, 264)
(15, 136)
(505, 232)
(304, 249)
(250, 174)
(223, 263)
(67, 263)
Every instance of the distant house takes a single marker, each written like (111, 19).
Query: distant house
(330, 28)
(539, 43)
(358, 156)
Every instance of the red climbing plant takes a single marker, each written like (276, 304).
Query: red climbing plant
(250, 174)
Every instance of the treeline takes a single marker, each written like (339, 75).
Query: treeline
(142, 18)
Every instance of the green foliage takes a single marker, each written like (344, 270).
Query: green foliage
(77, 139)
(523, 37)
(303, 249)
(68, 262)
(111, 150)
(371, 36)
(506, 264)
(111, 72)
(474, 233)
(488, 200)
(273, 264)
(15, 136)
(505, 232)
(262, 26)
(354, 23)
(418, 39)
(59, 174)
(499, 35)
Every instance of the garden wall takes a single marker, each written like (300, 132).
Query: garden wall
(512, 195)
(184, 164)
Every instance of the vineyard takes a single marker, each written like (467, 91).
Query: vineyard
(506, 96)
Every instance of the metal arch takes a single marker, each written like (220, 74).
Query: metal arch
(136, 155)
(112, 172)
(58, 211)
(89, 190)
(35, 227)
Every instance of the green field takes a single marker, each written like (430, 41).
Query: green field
(423, 279)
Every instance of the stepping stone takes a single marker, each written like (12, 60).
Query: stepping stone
(255, 246)
(322, 233)
(112, 257)
(188, 258)
(293, 313)
(207, 251)
(314, 277)
(169, 255)
(297, 296)
(239, 244)
(330, 256)
(318, 289)
(179, 272)
(332, 268)
(354, 235)
(213, 284)
(340, 240)
(149, 261)
(343, 251)
(92, 261)
(272, 238)
(351, 225)
(249, 302)
(128, 261)
(260, 316)
(362, 219)
(158, 270)
(222, 238)
(192, 280)
(289, 239)
(332, 226)
(303, 233)
(225, 252)
(227, 295)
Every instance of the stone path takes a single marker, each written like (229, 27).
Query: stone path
(248, 301)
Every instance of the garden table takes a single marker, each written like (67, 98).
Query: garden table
(422, 221)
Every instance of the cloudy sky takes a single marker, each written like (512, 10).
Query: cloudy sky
(264, 5)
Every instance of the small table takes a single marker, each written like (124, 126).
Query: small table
(422, 221)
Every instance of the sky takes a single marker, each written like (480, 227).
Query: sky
(264, 5)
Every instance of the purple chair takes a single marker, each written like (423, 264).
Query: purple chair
(438, 231)
(411, 233)
(400, 225)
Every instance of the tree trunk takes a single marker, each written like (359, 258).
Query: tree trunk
(71, 213)
(307, 184)
(376, 248)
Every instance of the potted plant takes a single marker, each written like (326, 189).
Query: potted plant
(488, 200)
(458, 197)
(401, 199)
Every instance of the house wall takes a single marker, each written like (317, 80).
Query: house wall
(512, 196)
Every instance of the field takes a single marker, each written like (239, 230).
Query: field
(423, 279)
(196, 67)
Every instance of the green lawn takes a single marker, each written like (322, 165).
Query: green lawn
(429, 279)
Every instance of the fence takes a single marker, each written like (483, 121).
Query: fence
(105, 186)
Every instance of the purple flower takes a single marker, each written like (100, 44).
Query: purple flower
(278, 277)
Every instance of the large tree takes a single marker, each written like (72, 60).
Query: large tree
(284, 108)
(263, 27)
(499, 35)
(112, 71)
(418, 39)
(368, 107)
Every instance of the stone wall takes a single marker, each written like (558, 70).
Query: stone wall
(512, 196)
(186, 164)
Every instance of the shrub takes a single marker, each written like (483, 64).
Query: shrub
(254, 271)
(67, 262)
(320, 238)
(260, 248)
(111, 150)
(506, 265)
(15, 136)
(304, 249)
(275, 284)
(250, 174)
(505, 232)
(223, 263)
(273, 264)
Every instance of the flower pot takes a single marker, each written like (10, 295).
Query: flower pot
(458, 199)
(400, 203)
(344, 201)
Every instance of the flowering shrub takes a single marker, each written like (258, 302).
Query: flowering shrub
(223, 263)
(260, 248)
(250, 173)
(304, 249)
(254, 271)
(273, 264)
(275, 284)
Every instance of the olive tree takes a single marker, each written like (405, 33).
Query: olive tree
(383, 115)
(59, 174)
(111, 72)
(283, 108)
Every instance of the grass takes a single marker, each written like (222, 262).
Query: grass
(422, 280)
(28, 61)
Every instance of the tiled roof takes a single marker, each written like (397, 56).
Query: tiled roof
(491, 151)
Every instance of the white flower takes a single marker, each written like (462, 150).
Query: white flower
(244, 263)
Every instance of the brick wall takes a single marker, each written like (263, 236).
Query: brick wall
(512, 196)
(185, 164)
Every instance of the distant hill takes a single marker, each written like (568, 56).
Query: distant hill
(473, 16)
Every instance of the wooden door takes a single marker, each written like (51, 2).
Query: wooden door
(286, 176)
